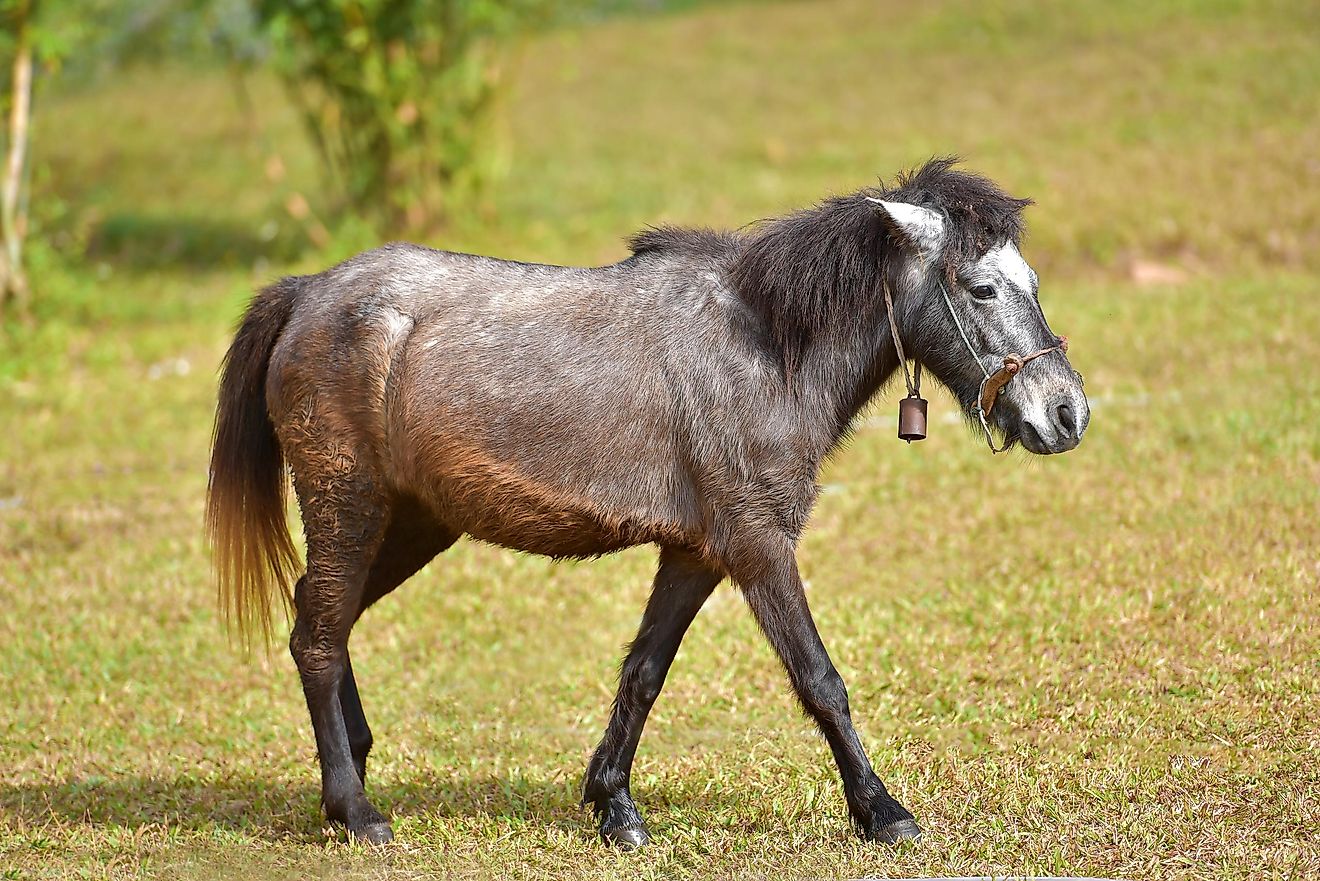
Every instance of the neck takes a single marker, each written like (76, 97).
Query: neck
(816, 280)
(841, 371)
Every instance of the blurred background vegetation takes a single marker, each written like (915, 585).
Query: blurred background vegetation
(409, 110)
(395, 95)
(1099, 664)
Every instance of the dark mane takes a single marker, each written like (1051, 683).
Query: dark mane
(701, 241)
(803, 270)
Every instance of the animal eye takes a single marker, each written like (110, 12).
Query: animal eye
(984, 292)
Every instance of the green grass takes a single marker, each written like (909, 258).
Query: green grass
(1100, 664)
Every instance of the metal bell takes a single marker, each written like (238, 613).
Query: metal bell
(912, 419)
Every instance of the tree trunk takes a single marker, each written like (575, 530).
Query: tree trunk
(13, 213)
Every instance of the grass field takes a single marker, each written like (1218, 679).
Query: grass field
(1101, 664)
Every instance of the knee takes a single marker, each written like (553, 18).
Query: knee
(645, 681)
(316, 657)
(825, 694)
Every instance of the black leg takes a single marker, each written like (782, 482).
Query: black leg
(355, 721)
(681, 587)
(774, 592)
(412, 540)
(345, 521)
(325, 598)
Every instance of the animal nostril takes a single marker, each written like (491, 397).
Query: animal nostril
(1067, 421)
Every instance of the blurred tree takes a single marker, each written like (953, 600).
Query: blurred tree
(397, 94)
(33, 38)
(18, 34)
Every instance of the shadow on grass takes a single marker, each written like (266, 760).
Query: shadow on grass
(155, 242)
(188, 805)
(276, 810)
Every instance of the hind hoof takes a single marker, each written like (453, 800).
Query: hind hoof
(372, 833)
(897, 832)
(626, 837)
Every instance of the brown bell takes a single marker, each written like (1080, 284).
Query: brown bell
(912, 419)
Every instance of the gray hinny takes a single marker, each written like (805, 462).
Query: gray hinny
(685, 397)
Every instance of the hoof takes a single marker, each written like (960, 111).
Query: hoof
(373, 833)
(897, 832)
(626, 837)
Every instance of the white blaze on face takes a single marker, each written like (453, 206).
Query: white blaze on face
(1007, 262)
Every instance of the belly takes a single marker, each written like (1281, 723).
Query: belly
(494, 505)
(551, 533)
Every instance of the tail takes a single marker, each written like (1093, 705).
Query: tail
(245, 496)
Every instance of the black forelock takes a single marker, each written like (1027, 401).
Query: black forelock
(980, 215)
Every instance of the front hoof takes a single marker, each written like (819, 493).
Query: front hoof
(378, 832)
(625, 837)
(897, 832)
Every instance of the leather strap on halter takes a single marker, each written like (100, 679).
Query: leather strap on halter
(913, 387)
(993, 384)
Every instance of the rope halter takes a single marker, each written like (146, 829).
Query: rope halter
(992, 383)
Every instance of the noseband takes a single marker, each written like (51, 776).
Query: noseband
(912, 410)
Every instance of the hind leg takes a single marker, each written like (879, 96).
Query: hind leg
(345, 520)
(411, 541)
(355, 721)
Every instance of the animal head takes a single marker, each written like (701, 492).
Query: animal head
(966, 298)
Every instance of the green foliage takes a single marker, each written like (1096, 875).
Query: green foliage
(397, 95)
(57, 30)
(136, 31)
(34, 36)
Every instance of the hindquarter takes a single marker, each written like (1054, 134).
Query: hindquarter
(329, 373)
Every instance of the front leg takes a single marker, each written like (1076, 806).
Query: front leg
(681, 586)
(770, 582)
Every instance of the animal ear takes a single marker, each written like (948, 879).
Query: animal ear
(912, 226)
